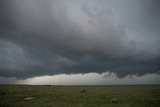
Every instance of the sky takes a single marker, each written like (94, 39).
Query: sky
(79, 42)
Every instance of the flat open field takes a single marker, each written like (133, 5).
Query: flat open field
(79, 96)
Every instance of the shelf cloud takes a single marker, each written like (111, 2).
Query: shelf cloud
(51, 37)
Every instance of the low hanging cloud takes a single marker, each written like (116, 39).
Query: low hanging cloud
(105, 78)
(67, 36)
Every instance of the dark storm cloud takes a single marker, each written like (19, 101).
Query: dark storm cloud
(40, 37)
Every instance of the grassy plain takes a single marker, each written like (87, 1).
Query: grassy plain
(79, 96)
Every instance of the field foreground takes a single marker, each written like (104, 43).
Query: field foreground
(79, 96)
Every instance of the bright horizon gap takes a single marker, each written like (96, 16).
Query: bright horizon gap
(106, 78)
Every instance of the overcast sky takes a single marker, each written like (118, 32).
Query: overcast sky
(63, 37)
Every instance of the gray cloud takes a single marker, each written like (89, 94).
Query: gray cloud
(52, 37)
(105, 78)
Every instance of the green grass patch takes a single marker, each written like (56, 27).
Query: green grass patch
(79, 96)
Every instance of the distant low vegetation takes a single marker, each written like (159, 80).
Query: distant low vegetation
(79, 96)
